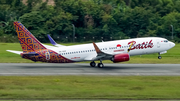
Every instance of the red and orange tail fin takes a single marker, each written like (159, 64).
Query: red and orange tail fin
(28, 42)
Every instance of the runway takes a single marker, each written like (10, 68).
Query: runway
(23, 69)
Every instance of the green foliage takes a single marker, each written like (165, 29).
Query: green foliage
(94, 20)
(90, 87)
(167, 22)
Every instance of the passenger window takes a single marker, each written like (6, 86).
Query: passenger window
(165, 40)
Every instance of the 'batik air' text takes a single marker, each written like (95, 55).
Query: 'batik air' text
(143, 45)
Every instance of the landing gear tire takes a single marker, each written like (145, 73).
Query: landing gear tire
(93, 64)
(159, 57)
(100, 65)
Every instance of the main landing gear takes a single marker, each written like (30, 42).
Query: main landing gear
(159, 57)
(100, 65)
(93, 64)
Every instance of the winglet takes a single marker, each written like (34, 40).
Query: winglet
(97, 49)
(51, 40)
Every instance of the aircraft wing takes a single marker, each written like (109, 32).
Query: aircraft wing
(16, 52)
(53, 42)
(100, 54)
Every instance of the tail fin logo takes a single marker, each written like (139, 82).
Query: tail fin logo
(28, 42)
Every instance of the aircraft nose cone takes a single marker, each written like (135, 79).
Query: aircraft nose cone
(172, 44)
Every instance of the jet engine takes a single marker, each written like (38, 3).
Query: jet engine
(120, 57)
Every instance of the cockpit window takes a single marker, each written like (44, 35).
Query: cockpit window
(165, 40)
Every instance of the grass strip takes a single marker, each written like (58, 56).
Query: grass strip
(90, 87)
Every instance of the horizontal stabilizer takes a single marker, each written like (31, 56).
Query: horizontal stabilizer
(29, 54)
(16, 52)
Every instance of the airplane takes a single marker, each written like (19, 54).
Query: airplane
(116, 51)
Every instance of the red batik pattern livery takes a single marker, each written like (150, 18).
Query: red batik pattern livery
(28, 42)
(51, 57)
(34, 50)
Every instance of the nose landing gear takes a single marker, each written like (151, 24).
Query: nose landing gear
(159, 57)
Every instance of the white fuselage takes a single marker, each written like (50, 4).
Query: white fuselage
(87, 52)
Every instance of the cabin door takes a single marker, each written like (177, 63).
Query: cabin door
(158, 43)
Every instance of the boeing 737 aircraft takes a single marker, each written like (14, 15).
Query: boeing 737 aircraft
(116, 51)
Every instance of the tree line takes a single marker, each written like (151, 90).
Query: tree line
(91, 20)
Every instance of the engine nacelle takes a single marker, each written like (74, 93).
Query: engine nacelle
(121, 57)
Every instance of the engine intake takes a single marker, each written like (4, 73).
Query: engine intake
(121, 57)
